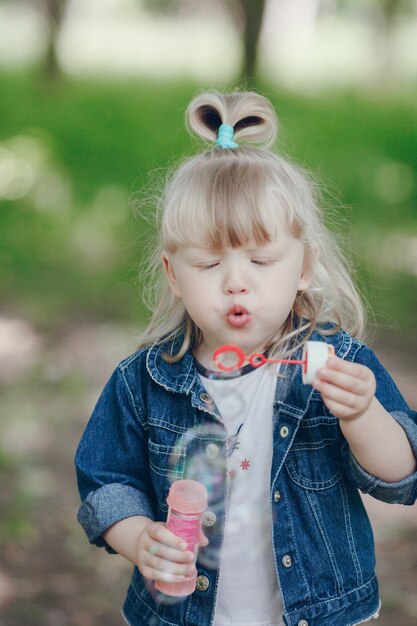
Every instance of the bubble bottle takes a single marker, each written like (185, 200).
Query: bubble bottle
(187, 501)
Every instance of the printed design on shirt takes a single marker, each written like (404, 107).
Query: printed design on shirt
(245, 464)
(233, 442)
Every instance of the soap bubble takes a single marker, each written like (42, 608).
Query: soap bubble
(201, 452)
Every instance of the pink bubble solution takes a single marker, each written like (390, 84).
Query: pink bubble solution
(187, 501)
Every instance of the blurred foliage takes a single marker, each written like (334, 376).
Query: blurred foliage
(53, 12)
(73, 156)
(247, 15)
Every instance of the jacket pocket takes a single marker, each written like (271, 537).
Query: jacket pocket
(314, 460)
(167, 460)
(167, 465)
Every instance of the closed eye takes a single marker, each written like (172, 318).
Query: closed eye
(262, 261)
(207, 266)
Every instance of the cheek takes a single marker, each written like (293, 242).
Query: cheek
(196, 296)
(282, 292)
(187, 284)
(199, 310)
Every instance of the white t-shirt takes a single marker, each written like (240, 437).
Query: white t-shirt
(248, 591)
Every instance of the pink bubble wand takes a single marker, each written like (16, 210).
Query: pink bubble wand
(315, 355)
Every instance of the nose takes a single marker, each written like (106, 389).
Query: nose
(236, 289)
(235, 280)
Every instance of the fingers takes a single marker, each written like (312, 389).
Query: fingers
(346, 388)
(168, 553)
(354, 370)
(203, 542)
(163, 556)
(157, 531)
(157, 568)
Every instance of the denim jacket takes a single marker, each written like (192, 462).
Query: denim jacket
(138, 442)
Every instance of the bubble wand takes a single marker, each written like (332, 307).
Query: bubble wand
(315, 355)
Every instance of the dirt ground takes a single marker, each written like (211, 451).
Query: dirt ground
(49, 575)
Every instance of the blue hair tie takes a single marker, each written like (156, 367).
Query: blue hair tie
(225, 137)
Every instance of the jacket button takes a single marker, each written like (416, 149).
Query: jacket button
(206, 398)
(277, 496)
(212, 451)
(202, 583)
(303, 622)
(284, 431)
(286, 560)
(209, 518)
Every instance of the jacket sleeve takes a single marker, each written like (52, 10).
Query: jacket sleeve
(388, 394)
(112, 462)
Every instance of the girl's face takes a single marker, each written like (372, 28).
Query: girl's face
(238, 295)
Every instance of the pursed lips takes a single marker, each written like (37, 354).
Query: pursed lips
(237, 316)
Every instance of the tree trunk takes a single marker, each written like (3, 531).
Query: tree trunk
(389, 12)
(253, 11)
(54, 12)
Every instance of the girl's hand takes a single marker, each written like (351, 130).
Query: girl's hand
(203, 540)
(346, 388)
(164, 556)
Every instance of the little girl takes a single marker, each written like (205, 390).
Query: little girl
(244, 258)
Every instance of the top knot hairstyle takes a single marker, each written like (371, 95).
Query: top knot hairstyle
(225, 197)
(251, 115)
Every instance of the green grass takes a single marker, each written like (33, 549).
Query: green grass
(74, 257)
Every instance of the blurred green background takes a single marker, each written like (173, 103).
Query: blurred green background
(92, 99)
(75, 155)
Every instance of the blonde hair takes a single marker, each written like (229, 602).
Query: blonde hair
(228, 197)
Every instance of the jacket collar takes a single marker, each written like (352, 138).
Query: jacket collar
(180, 376)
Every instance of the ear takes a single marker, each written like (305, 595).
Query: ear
(307, 269)
(168, 265)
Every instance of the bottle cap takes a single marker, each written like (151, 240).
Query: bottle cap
(187, 496)
(315, 355)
